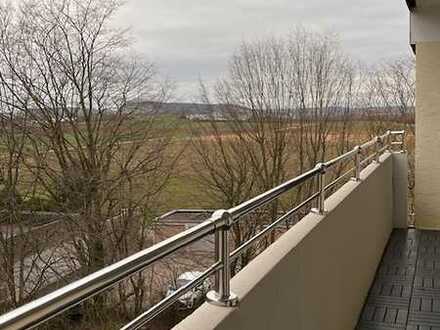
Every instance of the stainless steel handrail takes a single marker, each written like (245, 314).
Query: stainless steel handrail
(368, 144)
(47, 307)
(267, 197)
(242, 248)
(340, 158)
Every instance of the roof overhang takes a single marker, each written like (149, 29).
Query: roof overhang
(412, 4)
(424, 21)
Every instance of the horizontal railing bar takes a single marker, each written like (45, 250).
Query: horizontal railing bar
(349, 154)
(401, 132)
(383, 136)
(171, 299)
(383, 149)
(245, 246)
(398, 143)
(45, 308)
(177, 211)
(260, 200)
(340, 178)
(367, 159)
(368, 144)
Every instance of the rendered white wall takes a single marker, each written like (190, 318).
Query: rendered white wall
(425, 24)
(427, 156)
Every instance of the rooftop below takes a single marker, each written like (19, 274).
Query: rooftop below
(405, 293)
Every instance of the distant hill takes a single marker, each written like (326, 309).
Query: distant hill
(177, 108)
(200, 111)
(192, 111)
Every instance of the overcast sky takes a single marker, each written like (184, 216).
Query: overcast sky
(189, 39)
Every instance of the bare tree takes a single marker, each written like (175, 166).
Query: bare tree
(390, 103)
(89, 147)
(390, 95)
(285, 105)
(324, 89)
(26, 264)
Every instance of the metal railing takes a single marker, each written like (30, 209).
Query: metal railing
(47, 307)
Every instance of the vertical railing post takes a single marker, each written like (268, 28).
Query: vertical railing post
(218, 256)
(320, 207)
(402, 146)
(378, 148)
(222, 295)
(357, 163)
(389, 149)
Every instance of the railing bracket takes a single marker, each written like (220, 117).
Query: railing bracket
(214, 298)
(317, 211)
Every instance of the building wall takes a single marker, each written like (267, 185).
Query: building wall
(425, 24)
(427, 189)
(317, 275)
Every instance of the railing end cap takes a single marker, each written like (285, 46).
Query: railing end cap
(221, 217)
(321, 166)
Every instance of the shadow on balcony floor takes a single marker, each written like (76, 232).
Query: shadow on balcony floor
(406, 291)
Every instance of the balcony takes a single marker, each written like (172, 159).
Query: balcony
(317, 275)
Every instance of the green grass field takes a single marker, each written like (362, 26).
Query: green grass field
(183, 189)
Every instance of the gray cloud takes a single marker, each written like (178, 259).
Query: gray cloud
(189, 39)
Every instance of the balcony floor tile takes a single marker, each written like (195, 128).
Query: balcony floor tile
(405, 293)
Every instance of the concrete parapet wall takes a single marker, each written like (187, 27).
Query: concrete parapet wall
(400, 190)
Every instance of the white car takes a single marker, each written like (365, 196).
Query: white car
(189, 299)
